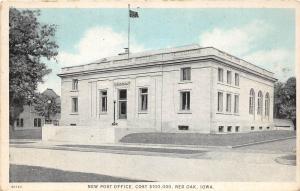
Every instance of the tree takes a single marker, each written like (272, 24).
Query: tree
(285, 100)
(278, 99)
(46, 106)
(30, 44)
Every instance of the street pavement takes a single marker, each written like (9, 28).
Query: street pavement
(177, 164)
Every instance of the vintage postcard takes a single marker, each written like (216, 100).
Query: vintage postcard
(149, 95)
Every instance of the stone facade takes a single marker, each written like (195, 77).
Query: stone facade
(182, 87)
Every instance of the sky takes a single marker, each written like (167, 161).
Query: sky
(264, 37)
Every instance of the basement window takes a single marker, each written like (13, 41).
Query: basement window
(237, 128)
(183, 127)
(221, 129)
(229, 128)
(73, 124)
(252, 128)
(260, 127)
(268, 127)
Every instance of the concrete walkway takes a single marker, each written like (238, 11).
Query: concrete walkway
(213, 165)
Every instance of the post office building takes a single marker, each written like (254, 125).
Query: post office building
(181, 89)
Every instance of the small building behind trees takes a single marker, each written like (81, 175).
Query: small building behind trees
(39, 111)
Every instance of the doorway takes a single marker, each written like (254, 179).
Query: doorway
(122, 99)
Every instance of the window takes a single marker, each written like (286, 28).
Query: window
(229, 128)
(260, 127)
(183, 127)
(185, 100)
(19, 122)
(236, 103)
(221, 128)
(103, 101)
(229, 77)
(74, 104)
(143, 101)
(251, 101)
(259, 103)
(236, 79)
(74, 84)
(237, 128)
(37, 122)
(220, 101)
(268, 127)
(267, 105)
(73, 124)
(22, 124)
(228, 102)
(220, 74)
(252, 128)
(186, 74)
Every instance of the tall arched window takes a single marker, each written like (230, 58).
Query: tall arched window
(260, 103)
(267, 105)
(251, 101)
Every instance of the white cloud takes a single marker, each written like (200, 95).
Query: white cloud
(237, 40)
(243, 42)
(279, 61)
(97, 42)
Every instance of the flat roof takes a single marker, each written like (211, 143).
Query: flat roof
(193, 50)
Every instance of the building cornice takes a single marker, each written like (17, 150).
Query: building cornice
(191, 55)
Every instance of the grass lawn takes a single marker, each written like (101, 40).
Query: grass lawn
(205, 139)
(24, 173)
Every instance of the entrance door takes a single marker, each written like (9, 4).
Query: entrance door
(122, 104)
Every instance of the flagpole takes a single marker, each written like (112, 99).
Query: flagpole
(128, 30)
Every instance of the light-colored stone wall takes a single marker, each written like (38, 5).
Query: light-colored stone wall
(164, 86)
(242, 119)
(89, 88)
(198, 118)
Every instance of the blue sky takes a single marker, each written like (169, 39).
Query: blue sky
(265, 37)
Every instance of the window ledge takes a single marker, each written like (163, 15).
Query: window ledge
(224, 113)
(185, 82)
(143, 112)
(103, 113)
(184, 112)
(229, 85)
(74, 113)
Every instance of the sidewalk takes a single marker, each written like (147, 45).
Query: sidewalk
(214, 153)
(72, 145)
(211, 166)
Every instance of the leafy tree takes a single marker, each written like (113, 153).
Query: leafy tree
(278, 99)
(285, 100)
(46, 106)
(30, 44)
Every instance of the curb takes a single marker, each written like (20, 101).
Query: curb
(260, 142)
